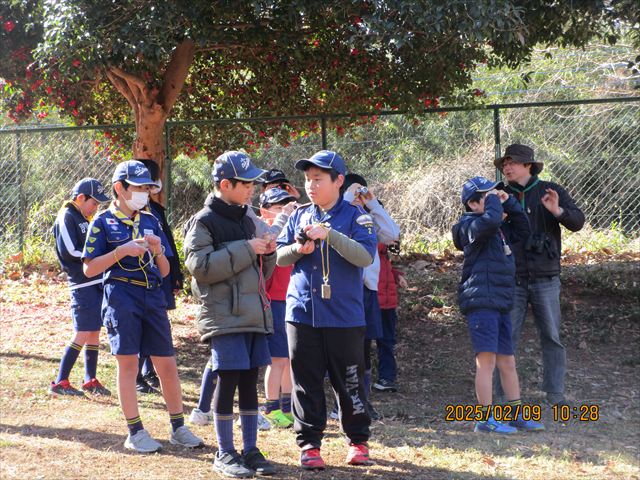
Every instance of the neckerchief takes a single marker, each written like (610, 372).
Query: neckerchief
(522, 191)
(135, 222)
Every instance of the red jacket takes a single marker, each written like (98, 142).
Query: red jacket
(278, 283)
(387, 282)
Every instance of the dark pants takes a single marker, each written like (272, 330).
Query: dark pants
(387, 368)
(314, 352)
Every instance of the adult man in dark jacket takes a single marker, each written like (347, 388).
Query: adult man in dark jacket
(547, 206)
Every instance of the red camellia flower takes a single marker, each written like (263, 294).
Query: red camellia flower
(8, 26)
(76, 63)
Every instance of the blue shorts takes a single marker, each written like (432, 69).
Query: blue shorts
(490, 331)
(136, 320)
(372, 314)
(278, 345)
(239, 351)
(85, 308)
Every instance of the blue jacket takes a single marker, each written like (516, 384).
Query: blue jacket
(70, 231)
(488, 273)
(304, 300)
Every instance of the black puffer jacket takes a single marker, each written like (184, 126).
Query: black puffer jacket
(543, 261)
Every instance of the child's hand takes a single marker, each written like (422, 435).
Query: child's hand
(502, 195)
(316, 232)
(155, 245)
(306, 247)
(260, 246)
(293, 191)
(133, 248)
(402, 282)
(289, 208)
(271, 242)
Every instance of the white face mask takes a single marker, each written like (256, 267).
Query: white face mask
(138, 200)
(156, 190)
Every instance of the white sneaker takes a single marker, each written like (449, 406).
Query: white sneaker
(142, 442)
(263, 423)
(184, 437)
(198, 417)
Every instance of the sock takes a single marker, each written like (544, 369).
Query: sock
(207, 387)
(90, 361)
(514, 403)
(271, 405)
(249, 420)
(69, 358)
(140, 364)
(224, 431)
(147, 367)
(486, 413)
(285, 402)
(134, 425)
(177, 420)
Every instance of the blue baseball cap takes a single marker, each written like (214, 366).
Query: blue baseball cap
(275, 195)
(134, 172)
(274, 175)
(325, 159)
(90, 187)
(236, 165)
(478, 184)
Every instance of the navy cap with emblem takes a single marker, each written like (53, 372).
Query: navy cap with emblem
(275, 195)
(236, 165)
(325, 159)
(274, 175)
(90, 187)
(134, 172)
(478, 184)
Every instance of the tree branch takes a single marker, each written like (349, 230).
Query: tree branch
(176, 74)
(137, 86)
(123, 88)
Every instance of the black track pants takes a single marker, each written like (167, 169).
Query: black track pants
(340, 352)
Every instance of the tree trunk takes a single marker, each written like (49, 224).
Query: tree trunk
(152, 106)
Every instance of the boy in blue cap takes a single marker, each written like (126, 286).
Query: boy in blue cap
(229, 267)
(128, 245)
(494, 222)
(276, 205)
(70, 232)
(328, 242)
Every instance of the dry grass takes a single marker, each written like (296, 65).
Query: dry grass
(43, 437)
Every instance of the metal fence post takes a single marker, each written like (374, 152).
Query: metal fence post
(21, 196)
(496, 135)
(323, 127)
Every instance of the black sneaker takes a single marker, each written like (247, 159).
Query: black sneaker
(383, 385)
(556, 399)
(143, 387)
(373, 414)
(254, 460)
(230, 464)
(152, 379)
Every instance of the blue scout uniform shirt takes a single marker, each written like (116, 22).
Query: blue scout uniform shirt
(304, 301)
(70, 231)
(107, 232)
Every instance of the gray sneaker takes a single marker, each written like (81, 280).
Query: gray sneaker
(142, 442)
(230, 464)
(183, 436)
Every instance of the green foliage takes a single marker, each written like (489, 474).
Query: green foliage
(276, 57)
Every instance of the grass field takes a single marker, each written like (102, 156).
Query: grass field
(44, 437)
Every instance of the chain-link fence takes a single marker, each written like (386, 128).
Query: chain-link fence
(416, 163)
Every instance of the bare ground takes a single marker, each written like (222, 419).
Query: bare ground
(44, 437)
